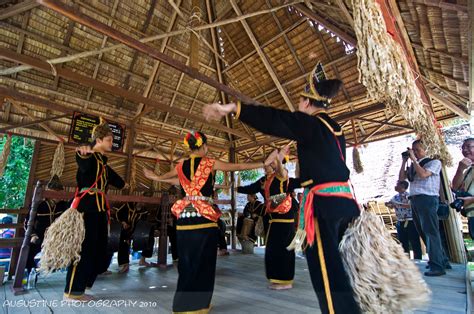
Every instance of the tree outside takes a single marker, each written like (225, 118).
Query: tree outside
(15, 178)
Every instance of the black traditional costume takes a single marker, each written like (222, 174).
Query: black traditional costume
(329, 205)
(93, 177)
(197, 236)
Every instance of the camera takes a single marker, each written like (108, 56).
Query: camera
(405, 154)
(458, 204)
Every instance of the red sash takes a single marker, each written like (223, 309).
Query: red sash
(283, 207)
(193, 188)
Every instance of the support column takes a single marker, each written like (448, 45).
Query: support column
(233, 209)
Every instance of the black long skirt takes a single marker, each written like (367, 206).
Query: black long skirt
(197, 240)
(279, 262)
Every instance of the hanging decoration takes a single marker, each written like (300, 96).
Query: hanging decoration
(57, 166)
(5, 154)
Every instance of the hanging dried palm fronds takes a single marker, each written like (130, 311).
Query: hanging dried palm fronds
(133, 175)
(63, 241)
(386, 72)
(57, 167)
(157, 184)
(5, 154)
(384, 279)
(357, 163)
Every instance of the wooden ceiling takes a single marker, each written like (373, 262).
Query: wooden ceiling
(130, 61)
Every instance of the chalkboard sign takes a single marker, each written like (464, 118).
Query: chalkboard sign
(81, 130)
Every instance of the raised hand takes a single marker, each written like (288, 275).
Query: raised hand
(216, 111)
(271, 158)
(149, 174)
(84, 150)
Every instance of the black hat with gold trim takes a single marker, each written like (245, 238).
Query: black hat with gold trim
(319, 89)
(101, 130)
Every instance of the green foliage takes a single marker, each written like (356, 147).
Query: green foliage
(245, 175)
(15, 178)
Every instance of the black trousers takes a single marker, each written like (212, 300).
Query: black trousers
(126, 235)
(35, 248)
(94, 249)
(280, 262)
(222, 241)
(333, 216)
(408, 236)
(197, 264)
(173, 245)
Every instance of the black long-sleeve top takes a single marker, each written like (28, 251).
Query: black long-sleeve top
(317, 138)
(89, 168)
(131, 214)
(278, 186)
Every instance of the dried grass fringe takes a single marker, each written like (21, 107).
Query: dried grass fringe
(383, 278)
(57, 167)
(357, 163)
(63, 241)
(5, 154)
(385, 71)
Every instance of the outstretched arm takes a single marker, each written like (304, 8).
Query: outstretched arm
(268, 120)
(152, 176)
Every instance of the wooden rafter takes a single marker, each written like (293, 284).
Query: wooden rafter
(268, 42)
(449, 105)
(350, 39)
(386, 123)
(218, 63)
(37, 101)
(454, 57)
(130, 95)
(263, 57)
(102, 45)
(26, 124)
(156, 65)
(18, 9)
(345, 12)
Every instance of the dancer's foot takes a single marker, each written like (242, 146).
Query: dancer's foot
(435, 273)
(143, 262)
(124, 268)
(277, 286)
(105, 273)
(222, 253)
(81, 298)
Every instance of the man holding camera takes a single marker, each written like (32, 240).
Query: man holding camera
(424, 175)
(463, 184)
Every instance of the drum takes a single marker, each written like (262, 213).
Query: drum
(114, 236)
(247, 228)
(141, 235)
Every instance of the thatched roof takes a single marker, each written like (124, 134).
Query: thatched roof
(265, 57)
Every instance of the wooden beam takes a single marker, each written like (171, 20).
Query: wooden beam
(218, 63)
(385, 122)
(131, 42)
(345, 12)
(444, 5)
(18, 9)
(153, 76)
(34, 100)
(23, 125)
(348, 38)
(91, 53)
(114, 90)
(449, 105)
(263, 57)
(194, 40)
(268, 42)
(454, 57)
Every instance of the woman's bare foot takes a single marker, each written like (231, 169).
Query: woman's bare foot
(81, 298)
(143, 262)
(124, 268)
(277, 286)
(222, 253)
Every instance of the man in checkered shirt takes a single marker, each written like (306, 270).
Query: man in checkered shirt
(424, 174)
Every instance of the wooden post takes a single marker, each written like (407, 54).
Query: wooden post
(26, 204)
(25, 247)
(233, 208)
(452, 224)
(163, 242)
(130, 140)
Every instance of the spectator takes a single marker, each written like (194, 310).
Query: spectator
(5, 253)
(424, 175)
(406, 230)
(464, 177)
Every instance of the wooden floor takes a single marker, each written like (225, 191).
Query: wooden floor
(240, 288)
